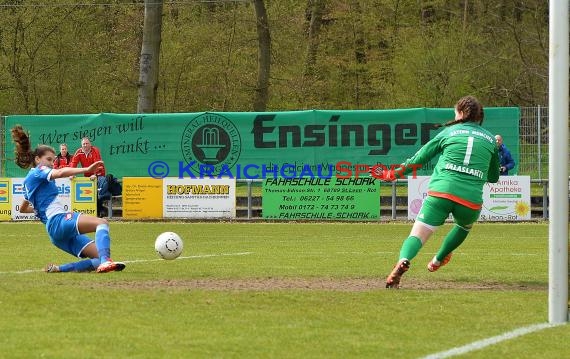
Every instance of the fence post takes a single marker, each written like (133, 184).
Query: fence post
(248, 181)
(394, 200)
(544, 200)
(539, 144)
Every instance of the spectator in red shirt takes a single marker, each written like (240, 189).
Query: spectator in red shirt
(63, 159)
(87, 155)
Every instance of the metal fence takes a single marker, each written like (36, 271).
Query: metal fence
(533, 141)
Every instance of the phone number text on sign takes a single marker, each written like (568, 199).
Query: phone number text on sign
(321, 198)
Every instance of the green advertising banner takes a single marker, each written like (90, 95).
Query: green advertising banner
(321, 198)
(249, 144)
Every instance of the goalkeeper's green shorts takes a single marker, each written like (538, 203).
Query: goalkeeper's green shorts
(436, 210)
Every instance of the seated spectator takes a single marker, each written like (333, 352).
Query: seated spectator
(63, 158)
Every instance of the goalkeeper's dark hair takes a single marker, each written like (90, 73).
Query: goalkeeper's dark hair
(472, 112)
(25, 157)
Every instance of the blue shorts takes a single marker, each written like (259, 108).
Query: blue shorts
(63, 233)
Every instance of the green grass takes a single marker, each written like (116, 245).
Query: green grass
(245, 306)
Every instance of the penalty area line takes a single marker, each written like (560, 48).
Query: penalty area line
(26, 271)
(480, 344)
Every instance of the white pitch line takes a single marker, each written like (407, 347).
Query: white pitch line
(480, 344)
(190, 257)
(26, 271)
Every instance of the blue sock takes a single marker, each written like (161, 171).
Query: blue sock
(94, 264)
(103, 242)
(85, 265)
(68, 267)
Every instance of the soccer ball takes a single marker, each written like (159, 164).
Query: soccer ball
(168, 245)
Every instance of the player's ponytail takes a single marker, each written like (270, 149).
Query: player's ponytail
(448, 123)
(23, 147)
(25, 157)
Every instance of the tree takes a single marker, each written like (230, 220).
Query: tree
(27, 51)
(316, 19)
(150, 54)
(263, 57)
(221, 56)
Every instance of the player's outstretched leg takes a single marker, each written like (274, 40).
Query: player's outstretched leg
(86, 265)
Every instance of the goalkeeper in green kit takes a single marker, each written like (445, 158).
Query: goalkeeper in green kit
(469, 158)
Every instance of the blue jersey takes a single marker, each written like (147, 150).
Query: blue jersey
(40, 190)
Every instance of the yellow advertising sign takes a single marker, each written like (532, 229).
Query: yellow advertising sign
(84, 196)
(199, 198)
(142, 197)
(5, 203)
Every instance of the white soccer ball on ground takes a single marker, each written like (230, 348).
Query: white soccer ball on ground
(168, 245)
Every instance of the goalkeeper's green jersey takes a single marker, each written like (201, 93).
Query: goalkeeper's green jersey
(469, 158)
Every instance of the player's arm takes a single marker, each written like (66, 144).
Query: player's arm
(412, 164)
(424, 155)
(26, 207)
(70, 171)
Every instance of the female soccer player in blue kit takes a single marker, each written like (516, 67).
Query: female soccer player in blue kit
(66, 229)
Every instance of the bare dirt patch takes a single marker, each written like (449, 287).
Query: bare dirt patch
(332, 284)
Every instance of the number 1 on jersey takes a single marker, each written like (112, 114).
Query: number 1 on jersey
(468, 151)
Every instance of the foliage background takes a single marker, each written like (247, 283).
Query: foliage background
(56, 57)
